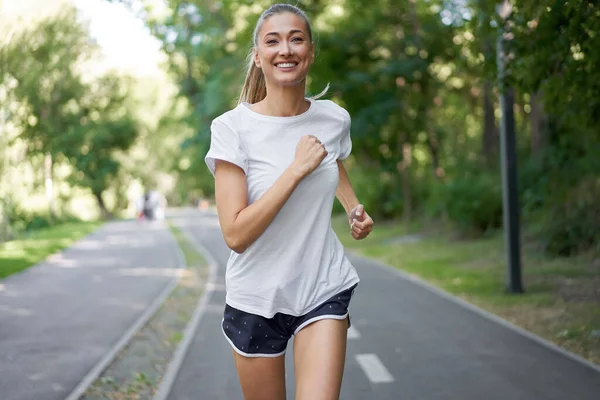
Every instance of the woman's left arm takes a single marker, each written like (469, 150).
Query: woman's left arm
(361, 224)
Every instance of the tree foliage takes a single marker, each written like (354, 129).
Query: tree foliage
(418, 77)
(61, 112)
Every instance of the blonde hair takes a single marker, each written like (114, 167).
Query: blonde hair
(255, 88)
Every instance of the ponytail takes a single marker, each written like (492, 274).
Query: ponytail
(254, 89)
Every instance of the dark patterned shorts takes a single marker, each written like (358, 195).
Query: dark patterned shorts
(255, 336)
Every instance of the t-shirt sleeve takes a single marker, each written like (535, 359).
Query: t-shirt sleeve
(226, 145)
(345, 139)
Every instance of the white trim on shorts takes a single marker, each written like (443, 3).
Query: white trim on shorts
(247, 354)
(318, 318)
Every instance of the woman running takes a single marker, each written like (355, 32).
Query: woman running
(277, 162)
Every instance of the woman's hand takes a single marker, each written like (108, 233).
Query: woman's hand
(309, 154)
(361, 224)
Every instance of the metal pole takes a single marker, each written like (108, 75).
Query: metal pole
(509, 166)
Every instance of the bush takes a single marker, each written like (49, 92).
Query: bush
(371, 188)
(23, 221)
(534, 180)
(572, 221)
(559, 189)
(381, 192)
(472, 200)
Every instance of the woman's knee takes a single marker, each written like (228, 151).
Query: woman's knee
(261, 378)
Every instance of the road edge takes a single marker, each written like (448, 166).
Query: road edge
(479, 311)
(166, 385)
(142, 320)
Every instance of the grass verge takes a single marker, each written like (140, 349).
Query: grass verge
(562, 295)
(137, 371)
(19, 254)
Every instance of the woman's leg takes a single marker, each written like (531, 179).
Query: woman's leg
(262, 378)
(319, 357)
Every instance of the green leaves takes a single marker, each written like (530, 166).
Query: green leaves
(64, 113)
(42, 61)
(414, 75)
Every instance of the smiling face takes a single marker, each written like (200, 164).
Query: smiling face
(284, 50)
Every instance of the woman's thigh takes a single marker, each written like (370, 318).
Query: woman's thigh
(319, 358)
(261, 378)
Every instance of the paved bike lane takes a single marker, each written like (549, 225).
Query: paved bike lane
(60, 318)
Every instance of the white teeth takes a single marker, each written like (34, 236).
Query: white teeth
(286, 65)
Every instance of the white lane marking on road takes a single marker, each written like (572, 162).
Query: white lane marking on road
(374, 368)
(353, 333)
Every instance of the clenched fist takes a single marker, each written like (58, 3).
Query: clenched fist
(309, 154)
(361, 224)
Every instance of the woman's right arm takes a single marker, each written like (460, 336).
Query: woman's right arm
(241, 223)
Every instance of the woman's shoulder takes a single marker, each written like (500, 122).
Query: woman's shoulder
(230, 117)
(332, 108)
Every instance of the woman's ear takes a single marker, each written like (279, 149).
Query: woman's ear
(255, 57)
(312, 52)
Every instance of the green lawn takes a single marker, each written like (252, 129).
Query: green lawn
(35, 246)
(561, 300)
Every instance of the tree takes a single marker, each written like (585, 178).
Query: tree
(419, 79)
(106, 126)
(42, 62)
(66, 116)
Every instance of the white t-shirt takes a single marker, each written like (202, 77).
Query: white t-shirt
(298, 262)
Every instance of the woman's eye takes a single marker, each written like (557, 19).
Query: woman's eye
(271, 41)
(297, 39)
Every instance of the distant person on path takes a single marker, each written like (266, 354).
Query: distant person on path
(277, 162)
(151, 206)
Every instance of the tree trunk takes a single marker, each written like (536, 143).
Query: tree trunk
(434, 148)
(415, 22)
(103, 210)
(432, 139)
(490, 131)
(5, 177)
(5, 229)
(190, 83)
(538, 120)
(404, 169)
(49, 184)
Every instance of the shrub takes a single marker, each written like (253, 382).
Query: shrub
(370, 188)
(571, 223)
(471, 200)
(23, 221)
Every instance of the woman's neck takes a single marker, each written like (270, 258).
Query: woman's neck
(283, 102)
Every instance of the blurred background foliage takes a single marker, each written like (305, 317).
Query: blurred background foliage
(418, 77)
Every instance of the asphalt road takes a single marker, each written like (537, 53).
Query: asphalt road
(59, 318)
(408, 342)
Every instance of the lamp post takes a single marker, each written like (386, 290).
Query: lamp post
(509, 161)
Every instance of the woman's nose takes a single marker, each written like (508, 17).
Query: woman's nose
(285, 49)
